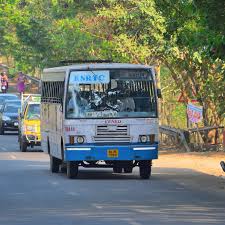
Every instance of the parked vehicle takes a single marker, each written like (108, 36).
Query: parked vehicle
(29, 122)
(100, 112)
(4, 97)
(13, 102)
(9, 118)
(10, 102)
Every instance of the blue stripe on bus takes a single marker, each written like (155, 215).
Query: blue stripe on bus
(125, 152)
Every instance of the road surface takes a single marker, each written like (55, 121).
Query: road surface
(31, 195)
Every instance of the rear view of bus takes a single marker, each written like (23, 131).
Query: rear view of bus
(108, 118)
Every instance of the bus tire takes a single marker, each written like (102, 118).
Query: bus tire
(63, 168)
(23, 145)
(145, 168)
(72, 169)
(54, 164)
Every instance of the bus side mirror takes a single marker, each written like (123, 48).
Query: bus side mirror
(159, 93)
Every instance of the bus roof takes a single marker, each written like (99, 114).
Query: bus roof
(58, 73)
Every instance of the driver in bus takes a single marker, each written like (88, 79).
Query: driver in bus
(126, 104)
(122, 93)
(125, 101)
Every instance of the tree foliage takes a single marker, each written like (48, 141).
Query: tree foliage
(176, 33)
(41, 33)
(186, 37)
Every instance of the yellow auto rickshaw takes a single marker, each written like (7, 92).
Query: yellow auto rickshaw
(29, 122)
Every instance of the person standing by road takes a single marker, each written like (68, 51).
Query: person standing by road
(21, 82)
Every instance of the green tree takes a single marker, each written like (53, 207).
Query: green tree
(186, 37)
(175, 33)
(40, 34)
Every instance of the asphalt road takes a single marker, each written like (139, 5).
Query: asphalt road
(31, 195)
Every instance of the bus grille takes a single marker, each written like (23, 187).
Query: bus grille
(111, 134)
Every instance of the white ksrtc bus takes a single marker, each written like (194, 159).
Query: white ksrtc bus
(98, 112)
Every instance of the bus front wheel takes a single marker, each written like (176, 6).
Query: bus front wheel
(54, 164)
(72, 169)
(145, 168)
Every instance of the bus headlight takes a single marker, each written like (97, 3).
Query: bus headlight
(147, 138)
(80, 139)
(143, 138)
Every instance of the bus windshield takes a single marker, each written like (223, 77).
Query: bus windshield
(120, 93)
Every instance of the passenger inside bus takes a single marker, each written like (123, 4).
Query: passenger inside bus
(126, 103)
(123, 96)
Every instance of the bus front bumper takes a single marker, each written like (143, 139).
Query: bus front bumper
(111, 152)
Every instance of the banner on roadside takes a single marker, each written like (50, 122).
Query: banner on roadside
(194, 113)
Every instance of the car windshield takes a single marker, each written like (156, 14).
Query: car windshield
(17, 103)
(111, 94)
(11, 109)
(3, 97)
(33, 112)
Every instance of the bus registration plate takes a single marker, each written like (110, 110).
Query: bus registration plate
(113, 153)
